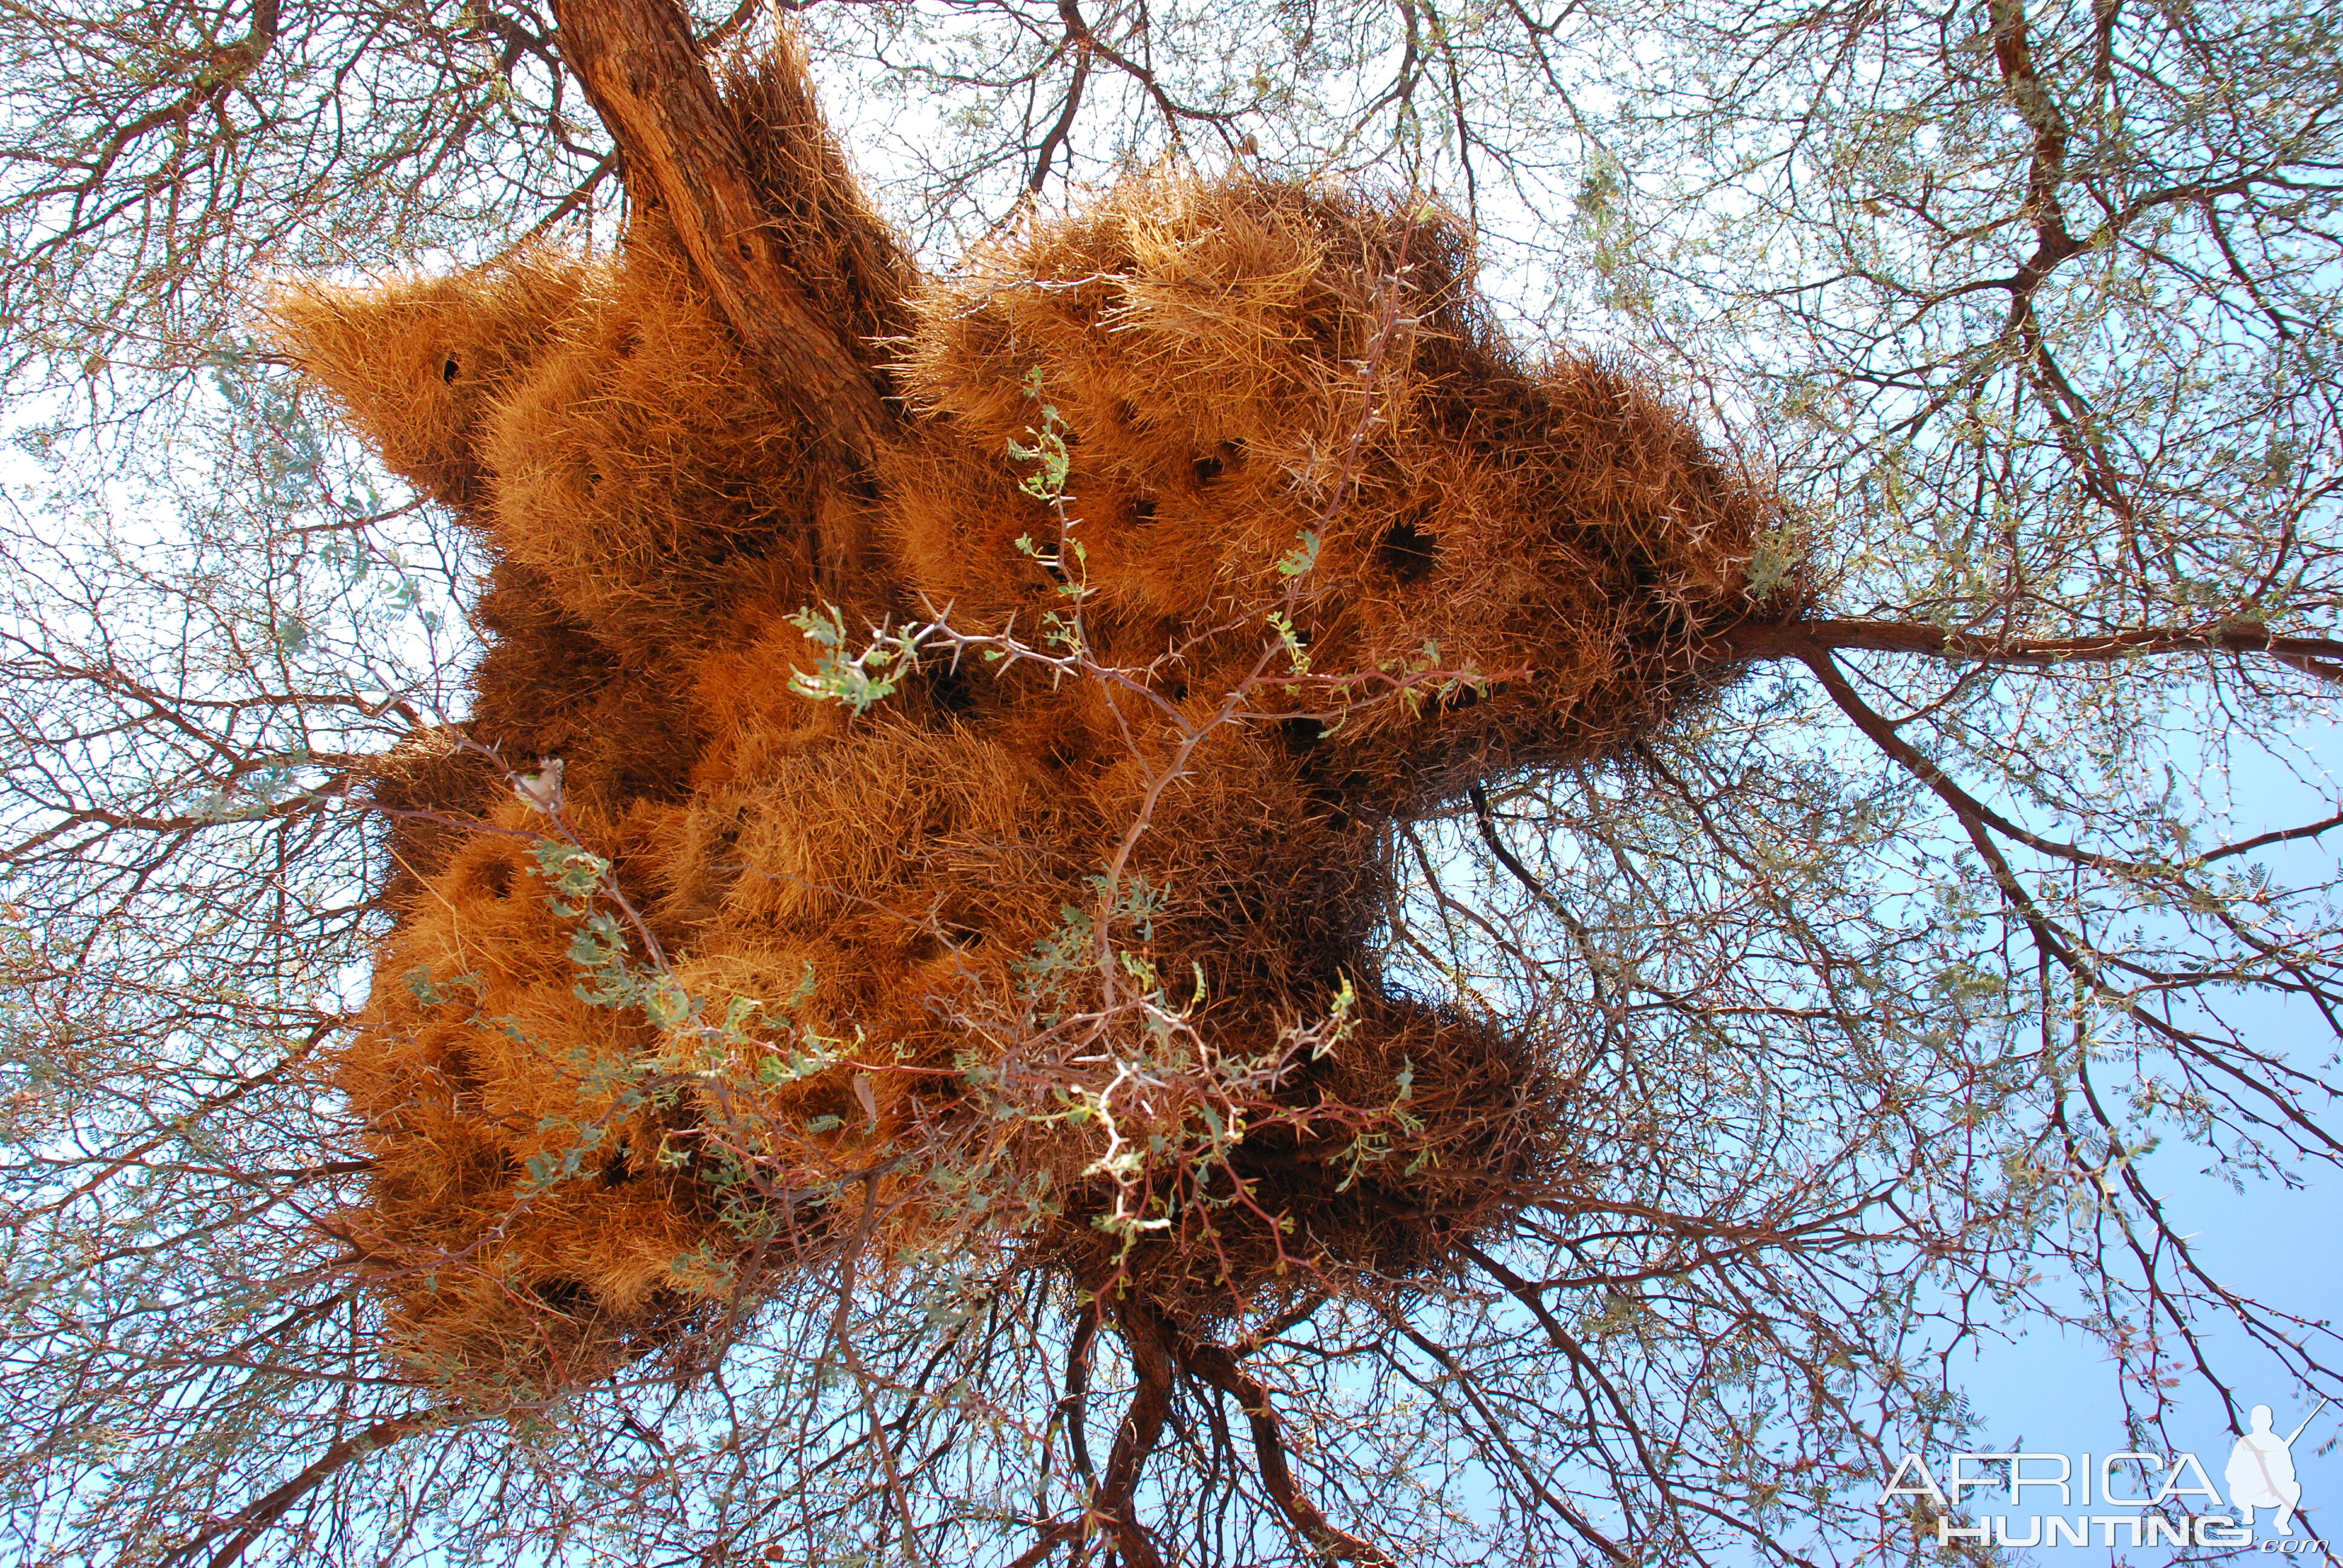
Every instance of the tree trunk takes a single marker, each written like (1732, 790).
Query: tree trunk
(642, 72)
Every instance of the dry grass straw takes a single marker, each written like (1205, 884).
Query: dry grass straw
(1244, 367)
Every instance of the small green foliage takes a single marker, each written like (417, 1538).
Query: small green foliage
(432, 992)
(859, 680)
(1061, 961)
(1054, 459)
(1340, 1024)
(1074, 580)
(800, 1054)
(1297, 656)
(1063, 631)
(704, 1268)
(545, 1169)
(598, 948)
(668, 1005)
(1409, 674)
(1302, 558)
(573, 875)
(1771, 565)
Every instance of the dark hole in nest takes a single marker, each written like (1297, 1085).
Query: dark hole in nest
(927, 946)
(447, 371)
(952, 690)
(1407, 552)
(461, 1074)
(1301, 734)
(1212, 465)
(570, 1297)
(497, 878)
(1142, 509)
(614, 1170)
(1066, 756)
(1328, 801)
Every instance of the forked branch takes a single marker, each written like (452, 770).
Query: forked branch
(1217, 1367)
(253, 1518)
(1143, 1428)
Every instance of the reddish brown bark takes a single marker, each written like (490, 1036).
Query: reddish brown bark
(256, 1516)
(1217, 1367)
(1143, 1428)
(643, 73)
(2319, 656)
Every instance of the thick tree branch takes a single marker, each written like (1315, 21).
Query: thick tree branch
(1078, 36)
(2014, 53)
(1142, 1429)
(2319, 656)
(254, 1517)
(645, 76)
(1217, 1367)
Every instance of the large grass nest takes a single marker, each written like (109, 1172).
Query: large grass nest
(1072, 952)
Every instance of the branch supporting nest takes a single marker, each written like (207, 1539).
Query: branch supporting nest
(1143, 1428)
(1158, 1355)
(643, 72)
(249, 1521)
(1216, 1366)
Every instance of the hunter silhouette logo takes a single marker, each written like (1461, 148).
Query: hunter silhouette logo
(2260, 1474)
